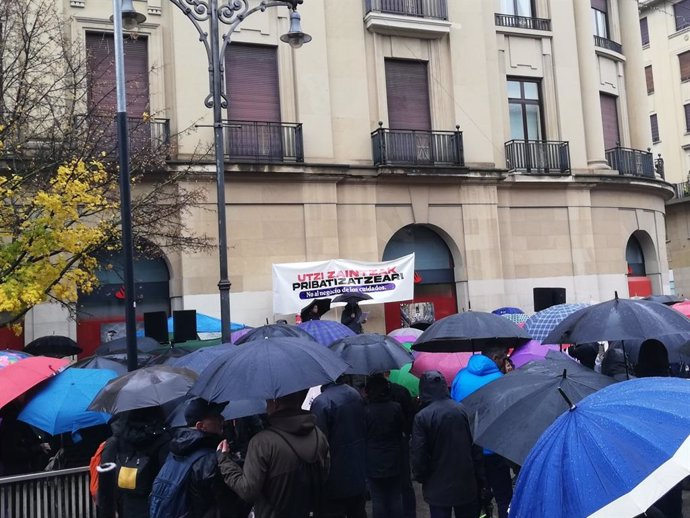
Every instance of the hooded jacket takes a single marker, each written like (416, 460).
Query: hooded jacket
(480, 370)
(615, 365)
(441, 452)
(385, 431)
(269, 475)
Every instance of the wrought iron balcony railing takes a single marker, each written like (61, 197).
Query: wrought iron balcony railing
(608, 44)
(419, 8)
(538, 156)
(413, 147)
(255, 141)
(145, 134)
(631, 162)
(523, 22)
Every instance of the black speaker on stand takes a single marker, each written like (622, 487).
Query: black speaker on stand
(547, 297)
(156, 326)
(184, 325)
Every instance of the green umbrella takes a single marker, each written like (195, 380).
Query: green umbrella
(403, 376)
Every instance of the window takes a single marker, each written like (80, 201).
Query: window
(600, 18)
(252, 82)
(687, 117)
(649, 76)
(681, 12)
(525, 110)
(644, 31)
(654, 123)
(407, 89)
(518, 7)
(684, 62)
(609, 120)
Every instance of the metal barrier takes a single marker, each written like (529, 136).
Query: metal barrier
(49, 494)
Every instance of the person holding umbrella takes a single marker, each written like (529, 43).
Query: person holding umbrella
(352, 317)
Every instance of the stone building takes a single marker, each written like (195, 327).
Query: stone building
(499, 140)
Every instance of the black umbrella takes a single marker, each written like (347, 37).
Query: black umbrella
(233, 410)
(509, 414)
(619, 319)
(268, 369)
(55, 346)
(664, 299)
(143, 388)
(274, 331)
(352, 297)
(468, 332)
(102, 362)
(145, 344)
(371, 353)
(167, 355)
(322, 306)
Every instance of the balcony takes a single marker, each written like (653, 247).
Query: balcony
(522, 22)
(413, 148)
(146, 135)
(611, 45)
(631, 162)
(409, 18)
(254, 141)
(538, 156)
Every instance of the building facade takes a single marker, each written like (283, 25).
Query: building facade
(496, 139)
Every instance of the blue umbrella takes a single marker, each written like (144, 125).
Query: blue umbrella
(201, 358)
(61, 405)
(613, 455)
(207, 324)
(268, 369)
(507, 310)
(273, 331)
(541, 323)
(233, 410)
(326, 331)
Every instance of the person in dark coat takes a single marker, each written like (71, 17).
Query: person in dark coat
(207, 494)
(443, 457)
(402, 396)
(270, 477)
(352, 317)
(615, 364)
(137, 434)
(385, 434)
(585, 353)
(21, 450)
(340, 415)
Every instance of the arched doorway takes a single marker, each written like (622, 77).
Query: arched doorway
(100, 314)
(640, 258)
(434, 290)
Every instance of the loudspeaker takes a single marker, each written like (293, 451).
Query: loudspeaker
(547, 297)
(156, 326)
(184, 325)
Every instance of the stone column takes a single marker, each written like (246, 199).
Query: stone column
(589, 85)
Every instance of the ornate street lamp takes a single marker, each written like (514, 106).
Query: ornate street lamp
(230, 13)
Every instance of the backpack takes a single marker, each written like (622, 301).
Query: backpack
(308, 475)
(93, 472)
(138, 470)
(169, 493)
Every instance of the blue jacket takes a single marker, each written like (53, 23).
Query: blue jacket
(480, 370)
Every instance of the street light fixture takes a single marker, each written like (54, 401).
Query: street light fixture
(230, 13)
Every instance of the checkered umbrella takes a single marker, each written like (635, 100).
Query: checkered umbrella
(540, 324)
(326, 331)
(516, 318)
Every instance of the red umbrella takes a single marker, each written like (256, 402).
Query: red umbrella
(447, 364)
(683, 307)
(18, 378)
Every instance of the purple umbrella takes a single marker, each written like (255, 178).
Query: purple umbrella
(326, 331)
(532, 351)
(239, 334)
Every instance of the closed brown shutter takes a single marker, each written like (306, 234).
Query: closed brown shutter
(609, 119)
(649, 76)
(644, 31)
(407, 88)
(600, 5)
(684, 61)
(654, 123)
(101, 74)
(252, 83)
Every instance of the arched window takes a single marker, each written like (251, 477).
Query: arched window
(635, 258)
(431, 251)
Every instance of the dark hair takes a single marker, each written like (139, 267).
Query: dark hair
(293, 400)
(652, 359)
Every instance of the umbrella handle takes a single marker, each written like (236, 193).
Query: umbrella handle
(572, 405)
(106, 467)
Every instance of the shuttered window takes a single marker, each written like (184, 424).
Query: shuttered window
(681, 12)
(649, 76)
(252, 83)
(687, 117)
(654, 123)
(102, 96)
(684, 62)
(609, 119)
(407, 88)
(600, 5)
(644, 31)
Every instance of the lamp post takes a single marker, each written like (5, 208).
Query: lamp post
(230, 13)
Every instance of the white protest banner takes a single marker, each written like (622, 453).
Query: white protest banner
(296, 284)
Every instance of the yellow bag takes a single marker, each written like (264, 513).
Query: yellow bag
(127, 478)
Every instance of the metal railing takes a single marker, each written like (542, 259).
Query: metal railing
(419, 8)
(145, 134)
(522, 22)
(607, 44)
(631, 162)
(256, 141)
(682, 190)
(538, 156)
(413, 147)
(49, 494)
